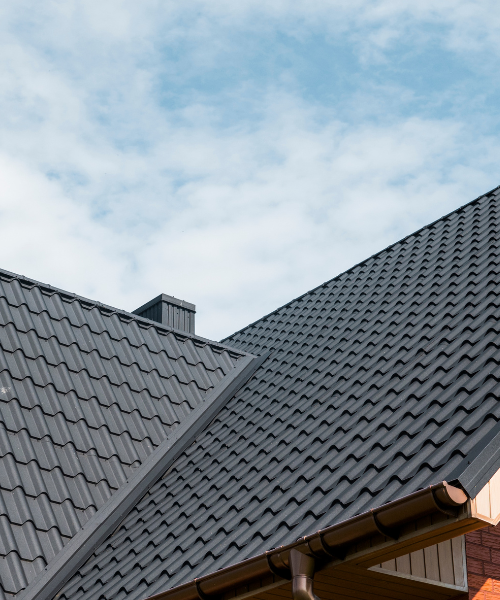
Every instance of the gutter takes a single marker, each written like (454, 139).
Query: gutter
(324, 545)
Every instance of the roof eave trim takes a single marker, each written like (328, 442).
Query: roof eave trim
(104, 522)
(326, 544)
(480, 464)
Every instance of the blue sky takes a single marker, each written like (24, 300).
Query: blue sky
(236, 154)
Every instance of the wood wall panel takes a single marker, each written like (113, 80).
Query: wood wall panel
(487, 502)
(443, 562)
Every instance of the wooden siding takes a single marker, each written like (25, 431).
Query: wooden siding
(487, 503)
(443, 562)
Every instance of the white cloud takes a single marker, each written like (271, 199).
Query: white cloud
(45, 234)
(108, 192)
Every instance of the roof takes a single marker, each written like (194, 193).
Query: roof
(87, 392)
(380, 382)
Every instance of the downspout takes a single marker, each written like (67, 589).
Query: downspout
(302, 568)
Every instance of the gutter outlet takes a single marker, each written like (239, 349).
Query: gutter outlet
(302, 568)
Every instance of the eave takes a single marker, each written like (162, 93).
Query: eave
(421, 519)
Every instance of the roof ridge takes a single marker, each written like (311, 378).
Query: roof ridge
(105, 521)
(106, 307)
(429, 225)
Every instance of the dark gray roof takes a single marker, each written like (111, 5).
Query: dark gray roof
(382, 381)
(87, 392)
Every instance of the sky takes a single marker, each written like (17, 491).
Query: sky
(236, 154)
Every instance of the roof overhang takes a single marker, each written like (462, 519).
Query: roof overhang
(421, 519)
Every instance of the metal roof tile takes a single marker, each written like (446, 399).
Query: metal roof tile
(51, 543)
(114, 472)
(41, 510)
(26, 539)
(67, 519)
(12, 573)
(113, 417)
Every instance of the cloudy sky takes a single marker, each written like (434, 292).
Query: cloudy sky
(236, 153)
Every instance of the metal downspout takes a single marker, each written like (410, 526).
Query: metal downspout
(302, 568)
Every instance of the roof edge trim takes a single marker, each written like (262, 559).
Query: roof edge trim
(457, 210)
(105, 521)
(479, 466)
(326, 544)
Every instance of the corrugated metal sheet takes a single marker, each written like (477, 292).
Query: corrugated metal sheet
(86, 394)
(381, 382)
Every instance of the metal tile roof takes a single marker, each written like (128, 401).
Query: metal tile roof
(87, 392)
(381, 381)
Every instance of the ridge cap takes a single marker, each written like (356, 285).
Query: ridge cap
(119, 311)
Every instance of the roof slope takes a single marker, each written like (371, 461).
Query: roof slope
(381, 382)
(87, 392)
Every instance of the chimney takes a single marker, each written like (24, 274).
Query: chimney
(167, 310)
